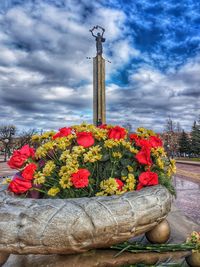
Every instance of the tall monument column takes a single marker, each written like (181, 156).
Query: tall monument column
(99, 98)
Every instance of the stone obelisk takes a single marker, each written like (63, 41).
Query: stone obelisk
(99, 98)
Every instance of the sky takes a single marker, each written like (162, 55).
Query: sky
(46, 77)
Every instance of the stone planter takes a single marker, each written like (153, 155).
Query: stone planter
(69, 226)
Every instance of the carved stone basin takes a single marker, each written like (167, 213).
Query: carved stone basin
(68, 226)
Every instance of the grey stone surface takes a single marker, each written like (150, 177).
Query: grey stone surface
(65, 226)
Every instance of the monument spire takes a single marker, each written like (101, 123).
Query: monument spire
(99, 101)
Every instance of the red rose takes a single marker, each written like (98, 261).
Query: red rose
(144, 156)
(148, 178)
(85, 139)
(62, 132)
(80, 178)
(20, 156)
(19, 185)
(116, 133)
(120, 184)
(28, 171)
(155, 141)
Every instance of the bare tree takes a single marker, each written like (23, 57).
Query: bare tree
(24, 137)
(7, 133)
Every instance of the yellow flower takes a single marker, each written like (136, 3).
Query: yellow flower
(93, 154)
(109, 186)
(40, 152)
(39, 178)
(100, 134)
(110, 143)
(160, 163)
(158, 152)
(49, 168)
(53, 191)
(47, 135)
(65, 181)
(35, 138)
(130, 168)
(133, 150)
(6, 181)
(78, 150)
(130, 182)
(65, 155)
(117, 155)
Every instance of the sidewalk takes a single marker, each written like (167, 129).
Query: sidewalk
(189, 162)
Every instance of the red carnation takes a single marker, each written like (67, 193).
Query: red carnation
(103, 126)
(28, 171)
(80, 178)
(120, 184)
(19, 185)
(20, 156)
(85, 139)
(139, 186)
(63, 132)
(116, 133)
(155, 141)
(148, 178)
(144, 156)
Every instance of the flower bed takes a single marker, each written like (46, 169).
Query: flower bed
(84, 160)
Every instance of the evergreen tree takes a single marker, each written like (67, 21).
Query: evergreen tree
(184, 143)
(195, 139)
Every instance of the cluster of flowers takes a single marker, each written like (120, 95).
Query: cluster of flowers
(84, 160)
(194, 238)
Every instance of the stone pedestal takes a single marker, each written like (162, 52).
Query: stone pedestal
(99, 101)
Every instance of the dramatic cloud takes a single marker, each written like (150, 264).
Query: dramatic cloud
(46, 78)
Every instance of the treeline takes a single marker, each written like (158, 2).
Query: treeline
(179, 143)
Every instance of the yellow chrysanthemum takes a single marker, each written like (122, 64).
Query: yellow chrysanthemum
(160, 163)
(109, 186)
(65, 182)
(49, 168)
(130, 182)
(130, 168)
(53, 191)
(65, 155)
(39, 178)
(78, 150)
(117, 155)
(158, 152)
(110, 143)
(93, 154)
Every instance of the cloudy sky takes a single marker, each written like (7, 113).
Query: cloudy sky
(46, 79)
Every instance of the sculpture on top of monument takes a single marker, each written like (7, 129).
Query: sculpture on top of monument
(99, 38)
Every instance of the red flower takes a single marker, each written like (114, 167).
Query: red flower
(102, 126)
(148, 178)
(85, 139)
(144, 156)
(62, 132)
(28, 171)
(139, 186)
(120, 184)
(19, 185)
(155, 141)
(80, 178)
(116, 133)
(134, 137)
(20, 156)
